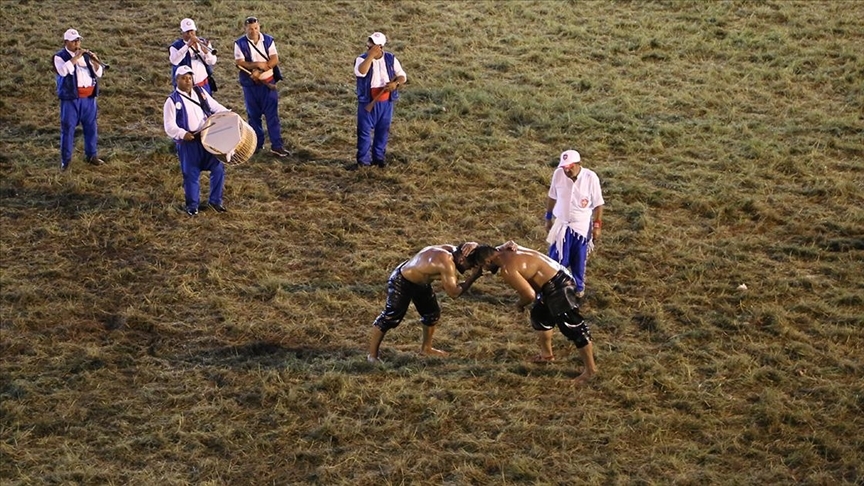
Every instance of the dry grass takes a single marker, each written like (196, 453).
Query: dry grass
(143, 347)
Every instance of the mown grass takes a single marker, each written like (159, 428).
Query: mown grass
(143, 347)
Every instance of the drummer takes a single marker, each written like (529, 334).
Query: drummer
(185, 114)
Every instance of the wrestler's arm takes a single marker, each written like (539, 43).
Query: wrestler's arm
(449, 275)
(521, 286)
(475, 274)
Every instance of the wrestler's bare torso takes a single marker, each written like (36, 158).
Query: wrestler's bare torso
(526, 270)
(431, 263)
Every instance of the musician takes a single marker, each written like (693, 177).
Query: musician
(379, 74)
(184, 115)
(195, 52)
(78, 71)
(258, 63)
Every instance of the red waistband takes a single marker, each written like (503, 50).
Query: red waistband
(86, 92)
(384, 97)
(202, 83)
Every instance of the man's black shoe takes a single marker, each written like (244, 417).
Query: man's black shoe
(379, 163)
(354, 167)
(219, 208)
(192, 212)
(95, 161)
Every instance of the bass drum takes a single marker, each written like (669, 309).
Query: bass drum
(229, 138)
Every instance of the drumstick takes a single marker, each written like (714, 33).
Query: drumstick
(271, 86)
(205, 127)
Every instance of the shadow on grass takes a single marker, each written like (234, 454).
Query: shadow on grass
(69, 204)
(352, 361)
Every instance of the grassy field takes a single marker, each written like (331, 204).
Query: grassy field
(140, 346)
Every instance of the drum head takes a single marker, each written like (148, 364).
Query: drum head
(223, 133)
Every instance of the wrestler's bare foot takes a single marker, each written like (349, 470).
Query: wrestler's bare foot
(582, 379)
(372, 359)
(432, 352)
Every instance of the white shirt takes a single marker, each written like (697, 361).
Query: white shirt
(194, 113)
(256, 57)
(574, 203)
(65, 68)
(199, 72)
(378, 69)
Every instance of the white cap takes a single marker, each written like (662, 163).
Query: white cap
(569, 157)
(182, 70)
(71, 35)
(186, 25)
(378, 39)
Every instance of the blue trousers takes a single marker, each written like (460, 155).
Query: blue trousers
(72, 113)
(263, 101)
(194, 160)
(574, 255)
(378, 120)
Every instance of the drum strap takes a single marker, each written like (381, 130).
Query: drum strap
(265, 56)
(203, 102)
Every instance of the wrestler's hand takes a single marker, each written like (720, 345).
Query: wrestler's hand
(468, 247)
(509, 246)
(189, 137)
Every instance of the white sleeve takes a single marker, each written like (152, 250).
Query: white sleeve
(272, 51)
(215, 106)
(238, 54)
(553, 190)
(210, 58)
(64, 68)
(176, 55)
(596, 192)
(397, 67)
(357, 64)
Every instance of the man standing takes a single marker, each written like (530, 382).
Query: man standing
(379, 75)
(256, 57)
(576, 203)
(78, 71)
(543, 281)
(195, 52)
(184, 116)
(411, 281)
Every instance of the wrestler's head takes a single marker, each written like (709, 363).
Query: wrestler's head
(460, 260)
(482, 257)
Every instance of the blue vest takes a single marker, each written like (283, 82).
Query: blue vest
(187, 61)
(246, 49)
(182, 119)
(67, 86)
(364, 84)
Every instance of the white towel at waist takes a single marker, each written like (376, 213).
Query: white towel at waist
(559, 231)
